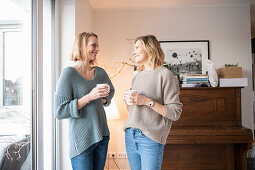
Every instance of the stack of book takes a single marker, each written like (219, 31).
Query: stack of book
(195, 80)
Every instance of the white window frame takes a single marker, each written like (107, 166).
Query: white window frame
(38, 147)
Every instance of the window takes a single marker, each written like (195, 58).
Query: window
(27, 76)
(15, 78)
(15, 84)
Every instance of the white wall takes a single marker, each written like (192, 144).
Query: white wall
(227, 27)
(66, 33)
(84, 20)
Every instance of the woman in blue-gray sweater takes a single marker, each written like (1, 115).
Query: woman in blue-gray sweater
(79, 99)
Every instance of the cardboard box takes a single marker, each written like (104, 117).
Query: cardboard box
(229, 72)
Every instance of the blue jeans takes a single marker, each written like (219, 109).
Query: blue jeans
(143, 153)
(92, 158)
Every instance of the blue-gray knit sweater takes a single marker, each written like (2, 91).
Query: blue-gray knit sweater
(87, 125)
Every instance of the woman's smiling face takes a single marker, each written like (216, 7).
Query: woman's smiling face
(141, 56)
(92, 48)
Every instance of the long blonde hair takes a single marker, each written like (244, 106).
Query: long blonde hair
(155, 53)
(79, 51)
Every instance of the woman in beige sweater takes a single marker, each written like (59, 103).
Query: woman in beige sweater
(152, 109)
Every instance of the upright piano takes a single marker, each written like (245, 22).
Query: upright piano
(209, 134)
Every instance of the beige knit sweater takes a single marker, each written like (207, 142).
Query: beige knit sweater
(161, 86)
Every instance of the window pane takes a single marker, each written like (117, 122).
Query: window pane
(14, 61)
(15, 85)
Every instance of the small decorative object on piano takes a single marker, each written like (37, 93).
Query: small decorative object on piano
(230, 71)
(213, 77)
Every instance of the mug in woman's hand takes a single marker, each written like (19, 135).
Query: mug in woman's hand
(104, 85)
(128, 95)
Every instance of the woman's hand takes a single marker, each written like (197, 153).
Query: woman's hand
(94, 94)
(98, 93)
(136, 99)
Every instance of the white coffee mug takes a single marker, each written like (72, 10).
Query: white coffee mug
(129, 93)
(104, 85)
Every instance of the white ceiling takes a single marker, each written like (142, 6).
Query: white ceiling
(159, 3)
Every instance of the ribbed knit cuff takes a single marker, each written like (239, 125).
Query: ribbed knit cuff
(74, 107)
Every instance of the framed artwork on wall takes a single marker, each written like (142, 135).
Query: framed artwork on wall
(186, 57)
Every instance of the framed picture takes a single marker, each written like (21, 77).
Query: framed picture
(186, 57)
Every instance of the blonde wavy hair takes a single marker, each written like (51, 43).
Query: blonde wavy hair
(79, 51)
(155, 53)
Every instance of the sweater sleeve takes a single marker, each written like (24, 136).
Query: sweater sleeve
(171, 92)
(112, 90)
(64, 104)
